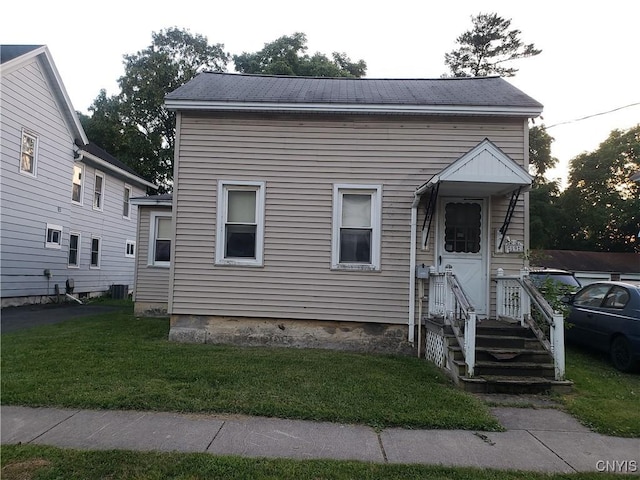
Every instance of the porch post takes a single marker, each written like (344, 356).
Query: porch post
(412, 274)
(557, 344)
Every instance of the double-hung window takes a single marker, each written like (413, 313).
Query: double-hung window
(98, 191)
(160, 240)
(126, 202)
(240, 223)
(28, 153)
(356, 227)
(76, 192)
(130, 249)
(95, 252)
(74, 250)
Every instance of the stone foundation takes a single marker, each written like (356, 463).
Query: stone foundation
(242, 331)
(150, 309)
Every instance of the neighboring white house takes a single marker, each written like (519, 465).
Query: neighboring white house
(67, 221)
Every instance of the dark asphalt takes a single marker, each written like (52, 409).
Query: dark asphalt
(28, 316)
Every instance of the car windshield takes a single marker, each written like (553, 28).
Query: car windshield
(540, 278)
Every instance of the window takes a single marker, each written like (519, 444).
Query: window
(74, 250)
(54, 236)
(462, 227)
(95, 252)
(591, 296)
(160, 240)
(130, 249)
(240, 223)
(356, 227)
(98, 191)
(76, 193)
(126, 204)
(28, 153)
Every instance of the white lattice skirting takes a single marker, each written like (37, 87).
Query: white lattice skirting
(435, 348)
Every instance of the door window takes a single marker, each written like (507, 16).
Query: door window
(462, 227)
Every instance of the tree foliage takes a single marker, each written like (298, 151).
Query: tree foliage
(286, 56)
(487, 47)
(601, 202)
(134, 126)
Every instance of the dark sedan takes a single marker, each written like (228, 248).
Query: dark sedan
(605, 316)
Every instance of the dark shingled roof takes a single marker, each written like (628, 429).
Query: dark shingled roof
(234, 88)
(9, 52)
(576, 261)
(93, 149)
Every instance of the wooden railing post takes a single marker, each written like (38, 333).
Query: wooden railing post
(525, 302)
(470, 342)
(499, 294)
(557, 345)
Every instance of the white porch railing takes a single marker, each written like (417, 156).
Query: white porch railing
(515, 295)
(447, 300)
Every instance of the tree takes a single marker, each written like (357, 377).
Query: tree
(601, 201)
(286, 56)
(486, 47)
(134, 126)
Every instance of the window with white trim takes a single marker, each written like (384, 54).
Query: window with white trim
(96, 244)
(160, 240)
(240, 223)
(53, 236)
(74, 250)
(126, 202)
(76, 192)
(356, 227)
(98, 191)
(28, 153)
(130, 249)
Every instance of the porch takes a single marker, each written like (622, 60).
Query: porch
(519, 350)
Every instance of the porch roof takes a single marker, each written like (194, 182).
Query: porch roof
(484, 170)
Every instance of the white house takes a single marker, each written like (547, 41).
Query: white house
(67, 221)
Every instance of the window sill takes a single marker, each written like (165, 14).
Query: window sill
(355, 268)
(238, 263)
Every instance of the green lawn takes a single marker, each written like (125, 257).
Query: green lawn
(604, 399)
(115, 361)
(22, 462)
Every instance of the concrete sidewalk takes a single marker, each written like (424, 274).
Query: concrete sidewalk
(544, 440)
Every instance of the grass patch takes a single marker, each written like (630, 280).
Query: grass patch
(604, 399)
(117, 361)
(28, 461)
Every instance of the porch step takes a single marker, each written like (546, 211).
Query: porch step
(535, 355)
(514, 385)
(510, 369)
(507, 341)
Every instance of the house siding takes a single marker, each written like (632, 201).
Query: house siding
(30, 202)
(151, 291)
(300, 159)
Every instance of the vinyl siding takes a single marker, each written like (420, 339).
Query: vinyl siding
(152, 283)
(300, 159)
(28, 203)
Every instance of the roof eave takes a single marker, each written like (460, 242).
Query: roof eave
(123, 173)
(484, 110)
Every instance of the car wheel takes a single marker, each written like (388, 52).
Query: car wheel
(621, 355)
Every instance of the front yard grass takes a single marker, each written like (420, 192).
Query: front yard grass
(44, 463)
(116, 361)
(604, 399)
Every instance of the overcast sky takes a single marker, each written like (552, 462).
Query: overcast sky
(588, 65)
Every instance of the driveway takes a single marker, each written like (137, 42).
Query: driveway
(19, 318)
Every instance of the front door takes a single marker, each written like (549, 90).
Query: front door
(462, 243)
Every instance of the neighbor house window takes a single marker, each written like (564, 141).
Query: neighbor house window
(76, 193)
(28, 153)
(356, 227)
(95, 252)
(160, 240)
(98, 191)
(74, 250)
(130, 249)
(54, 236)
(126, 203)
(240, 223)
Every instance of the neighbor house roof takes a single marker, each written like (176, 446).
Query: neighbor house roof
(469, 96)
(15, 56)
(575, 261)
(94, 154)
(165, 200)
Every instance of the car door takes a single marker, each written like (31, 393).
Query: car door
(585, 316)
